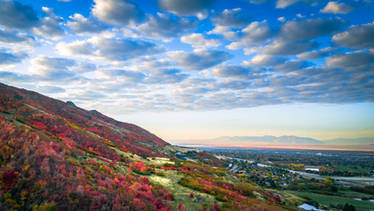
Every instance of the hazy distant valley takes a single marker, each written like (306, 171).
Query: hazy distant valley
(285, 142)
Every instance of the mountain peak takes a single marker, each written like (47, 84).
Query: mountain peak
(71, 103)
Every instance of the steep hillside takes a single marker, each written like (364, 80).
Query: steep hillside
(54, 155)
(75, 126)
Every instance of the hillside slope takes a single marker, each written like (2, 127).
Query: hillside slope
(76, 126)
(54, 155)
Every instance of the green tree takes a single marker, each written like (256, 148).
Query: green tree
(349, 207)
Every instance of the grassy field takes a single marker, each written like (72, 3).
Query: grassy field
(352, 194)
(181, 193)
(335, 200)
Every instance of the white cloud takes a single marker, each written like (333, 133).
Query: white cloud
(8, 56)
(16, 15)
(166, 76)
(356, 37)
(250, 37)
(122, 75)
(202, 15)
(281, 19)
(118, 12)
(257, 1)
(234, 18)
(266, 60)
(80, 24)
(299, 15)
(337, 8)
(108, 61)
(108, 48)
(80, 48)
(316, 54)
(185, 7)
(286, 3)
(166, 26)
(199, 59)
(288, 48)
(232, 71)
(199, 41)
(350, 59)
(309, 29)
(234, 46)
(7, 37)
(52, 68)
(51, 25)
(255, 33)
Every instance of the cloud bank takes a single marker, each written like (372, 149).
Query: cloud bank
(127, 56)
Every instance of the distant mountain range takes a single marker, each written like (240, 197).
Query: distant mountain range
(282, 142)
(271, 139)
(349, 141)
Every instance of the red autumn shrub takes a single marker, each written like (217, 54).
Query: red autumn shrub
(9, 179)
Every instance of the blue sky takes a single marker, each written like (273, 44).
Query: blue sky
(190, 69)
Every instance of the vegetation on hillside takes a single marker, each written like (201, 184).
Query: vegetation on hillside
(56, 156)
